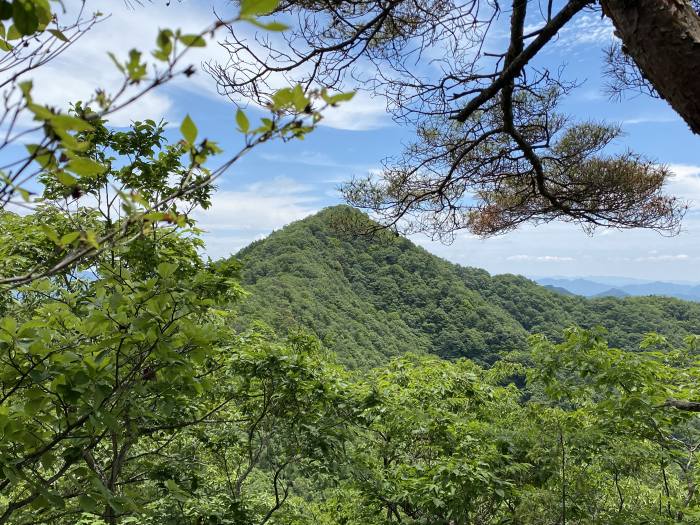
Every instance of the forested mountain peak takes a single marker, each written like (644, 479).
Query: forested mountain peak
(370, 297)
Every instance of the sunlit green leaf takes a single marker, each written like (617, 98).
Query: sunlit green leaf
(242, 121)
(252, 8)
(85, 167)
(188, 130)
(193, 40)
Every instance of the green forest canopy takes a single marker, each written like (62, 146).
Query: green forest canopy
(373, 297)
(133, 391)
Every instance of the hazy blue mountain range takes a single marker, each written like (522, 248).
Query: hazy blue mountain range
(621, 287)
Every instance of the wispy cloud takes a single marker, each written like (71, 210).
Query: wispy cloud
(364, 112)
(685, 183)
(237, 218)
(85, 66)
(585, 30)
(315, 158)
(663, 257)
(540, 258)
(651, 119)
(258, 207)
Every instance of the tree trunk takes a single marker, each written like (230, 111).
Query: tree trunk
(663, 38)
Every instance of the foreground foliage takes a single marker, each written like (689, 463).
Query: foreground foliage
(127, 397)
(132, 390)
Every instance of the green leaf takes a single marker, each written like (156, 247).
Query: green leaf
(252, 8)
(58, 34)
(188, 130)
(5, 10)
(85, 167)
(134, 67)
(282, 98)
(341, 97)
(119, 65)
(299, 98)
(165, 269)
(9, 324)
(91, 239)
(66, 179)
(176, 491)
(269, 26)
(69, 238)
(26, 88)
(164, 37)
(43, 156)
(25, 16)
(275, 26)
(193, 40)
(43, 12)
(40, 112)
(13, 33)
(242, 121)
(68, 122)
(165, 45)
(87, 504)
(154, 216)
(50, 233)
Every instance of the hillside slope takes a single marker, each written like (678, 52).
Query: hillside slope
(370, 298)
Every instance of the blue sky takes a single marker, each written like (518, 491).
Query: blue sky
(279, 183)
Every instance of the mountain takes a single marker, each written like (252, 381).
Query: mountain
(558, 289)
(598, 287)
(613, 292)
(681, 291)
(372, 297)
(579, 286)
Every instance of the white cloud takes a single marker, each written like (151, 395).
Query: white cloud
(237, 218)
(651, 119)
(308, 158)
(75, 74)
(219, 246)
(586, 29)
(685, 182)
(591, 95)
(85, 66)
(540, 258)
(364, 112)
(259, 207)
(316, 159)
(663, 257)
(685, 170)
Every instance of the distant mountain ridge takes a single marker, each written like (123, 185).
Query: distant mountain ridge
(592, 288)
(371, 298)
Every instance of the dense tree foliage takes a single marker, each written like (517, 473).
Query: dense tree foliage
(588, 439)
(377, 296)
(141, 383)
(133, 391)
